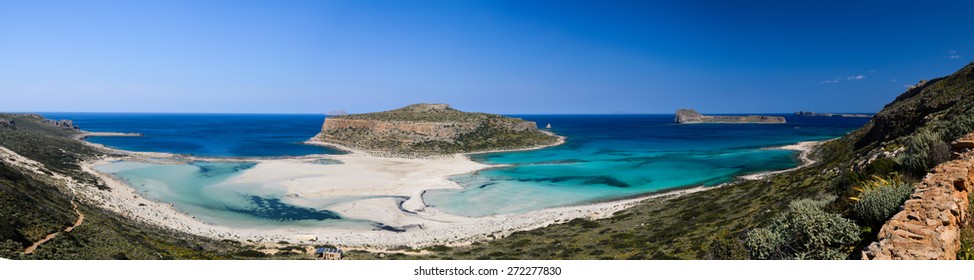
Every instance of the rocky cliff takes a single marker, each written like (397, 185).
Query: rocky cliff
(929, 226)
(691, 116)
(431, 129)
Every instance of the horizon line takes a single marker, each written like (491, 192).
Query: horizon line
(325, 114)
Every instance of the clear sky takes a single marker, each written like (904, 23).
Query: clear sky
(490, 56)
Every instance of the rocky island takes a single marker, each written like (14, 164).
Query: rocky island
(691, 116)
(431, 129)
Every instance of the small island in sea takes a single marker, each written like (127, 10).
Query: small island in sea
(689, 116)
(431, 129)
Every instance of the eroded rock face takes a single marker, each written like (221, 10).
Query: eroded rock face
(928, 227)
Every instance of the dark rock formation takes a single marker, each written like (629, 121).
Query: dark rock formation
(431, 129)
(8, 123)
(691, 116)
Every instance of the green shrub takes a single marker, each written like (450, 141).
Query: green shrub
(881, 167)
(958, 126)
(880, 199)
(765, 243)
(250, 254)
(804, 231)
(925, 149)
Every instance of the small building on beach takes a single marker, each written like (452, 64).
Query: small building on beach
(325, 253)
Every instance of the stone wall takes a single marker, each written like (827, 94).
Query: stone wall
(928, 227)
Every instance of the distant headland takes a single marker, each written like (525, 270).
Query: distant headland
(688, 116)
(429, 130)
(833, 115)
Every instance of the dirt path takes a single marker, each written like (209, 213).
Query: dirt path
(81, 219)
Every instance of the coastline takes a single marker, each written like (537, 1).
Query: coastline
(83, 134)
(423, 226)
(804, 148)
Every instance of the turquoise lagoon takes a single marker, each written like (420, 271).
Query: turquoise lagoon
(606, 157)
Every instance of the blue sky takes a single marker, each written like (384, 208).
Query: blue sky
(490, 56)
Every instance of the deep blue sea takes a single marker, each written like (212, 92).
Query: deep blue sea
(606, 157)
(212, 135)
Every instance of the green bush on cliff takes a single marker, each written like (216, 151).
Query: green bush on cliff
(804, 231)
(880, 199)
(925, 149)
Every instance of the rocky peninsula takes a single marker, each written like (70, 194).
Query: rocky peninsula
(687, 116)
(431, 130)
(831, 115)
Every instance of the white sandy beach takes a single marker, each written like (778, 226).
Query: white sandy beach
(804, 148)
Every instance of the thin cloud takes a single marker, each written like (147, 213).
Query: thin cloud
(952, 54)
(833, 81)
(849, 78)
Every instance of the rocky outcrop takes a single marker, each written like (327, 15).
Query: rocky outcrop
(62, 124)
(691, 116)
(8, 123)
(428, 129)
(928, 227)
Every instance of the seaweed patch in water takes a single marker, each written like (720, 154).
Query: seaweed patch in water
(588, 180)
(327, 161)
(274, 209)
(213, 169)
(381, 226)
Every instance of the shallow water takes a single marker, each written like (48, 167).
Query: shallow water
(202, 190)
(606, 157)
(616, 156)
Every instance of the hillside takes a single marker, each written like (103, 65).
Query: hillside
(742, 221)
(431, 129)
